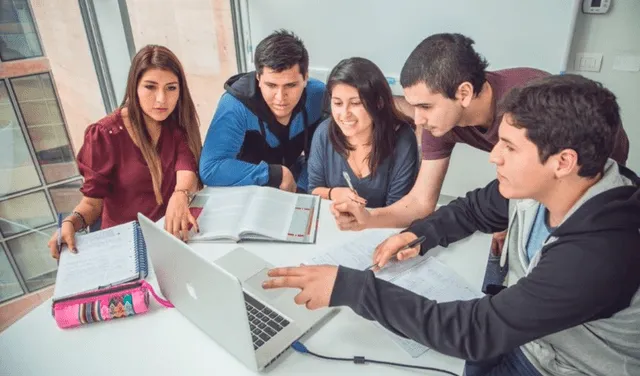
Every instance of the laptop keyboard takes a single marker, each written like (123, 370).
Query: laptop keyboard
(264, 323)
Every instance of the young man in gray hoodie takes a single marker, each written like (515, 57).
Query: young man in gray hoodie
(570, 304)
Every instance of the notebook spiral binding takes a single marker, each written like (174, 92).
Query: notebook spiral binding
(142, 265)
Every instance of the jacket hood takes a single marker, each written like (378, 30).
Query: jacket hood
(612, 204)
(244, 87)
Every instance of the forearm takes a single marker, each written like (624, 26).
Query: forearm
(483, 209)
(322, 192)
(402, 213)
(467, 329)
(90, 209)
(231, 172)
(186, 180)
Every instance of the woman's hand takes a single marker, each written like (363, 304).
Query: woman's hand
(178, 217)
(68, 237)
(342, 194)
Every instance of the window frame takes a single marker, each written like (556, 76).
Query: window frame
(37, 33)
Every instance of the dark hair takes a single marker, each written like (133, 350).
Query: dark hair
(567, 112)
(443, 62)
(375, 94)
(280, 51)
(183, 116)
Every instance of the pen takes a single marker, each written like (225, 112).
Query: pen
(411, 244)
(348, 179)
(59, 234)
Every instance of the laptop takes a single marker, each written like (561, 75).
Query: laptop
(226, 300)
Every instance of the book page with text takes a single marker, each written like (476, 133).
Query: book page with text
(435, 281)
(270, 213)
(104, 257)
(424, 275)
(222, 212)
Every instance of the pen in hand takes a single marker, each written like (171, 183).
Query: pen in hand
(411, 244)
(348, 179)
(59, 234)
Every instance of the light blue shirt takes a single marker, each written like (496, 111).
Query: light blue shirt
(540, 231)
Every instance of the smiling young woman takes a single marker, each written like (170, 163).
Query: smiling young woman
(143, 156)
(367, 138)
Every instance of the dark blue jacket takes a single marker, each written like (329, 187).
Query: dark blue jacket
(245, 144)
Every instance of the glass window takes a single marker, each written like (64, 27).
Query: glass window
(66, 196)
(24, 213)
(18, 37)
(9, 285)
(43, 119)
(17, 171)
(33, 258)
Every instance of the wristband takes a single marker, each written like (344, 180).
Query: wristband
(83, 224)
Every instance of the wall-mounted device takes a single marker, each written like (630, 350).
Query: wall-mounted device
(596, 6)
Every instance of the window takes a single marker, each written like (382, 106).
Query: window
(33, 259)
(17, 169)
(24, 213)
(38, 178)
(9, 284)
(111, 44)
(43, 119)
(18, 36)
(38, 174)
(66, 196)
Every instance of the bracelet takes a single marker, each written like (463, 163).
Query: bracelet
(81, 217)
(189, 195)
(329, 194)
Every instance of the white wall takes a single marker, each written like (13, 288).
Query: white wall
(612, 34)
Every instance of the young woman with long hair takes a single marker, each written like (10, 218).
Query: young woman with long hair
(144, 156)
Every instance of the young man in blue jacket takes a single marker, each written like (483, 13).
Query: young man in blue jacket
(262, 129)
(570, 304)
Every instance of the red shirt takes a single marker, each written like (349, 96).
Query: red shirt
(485, 139)
(115, 171)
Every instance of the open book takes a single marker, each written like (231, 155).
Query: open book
(256, 213)
(425, 276)
(105, 258)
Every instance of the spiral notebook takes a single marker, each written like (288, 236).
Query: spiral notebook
(105, 258)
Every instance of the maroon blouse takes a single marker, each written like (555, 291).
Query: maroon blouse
(115, 171)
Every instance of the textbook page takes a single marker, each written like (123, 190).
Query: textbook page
(105, 257)
(269, 214)
(222, 212)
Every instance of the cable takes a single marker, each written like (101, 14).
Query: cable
(299, 347)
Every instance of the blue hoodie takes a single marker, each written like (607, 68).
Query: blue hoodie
(245, 144)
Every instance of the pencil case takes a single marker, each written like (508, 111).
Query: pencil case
(105, 304)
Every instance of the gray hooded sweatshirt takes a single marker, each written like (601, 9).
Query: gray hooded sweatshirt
(574, 309)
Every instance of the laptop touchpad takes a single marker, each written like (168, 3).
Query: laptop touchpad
(255, 283)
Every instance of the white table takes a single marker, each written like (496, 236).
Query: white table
(163, 342)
